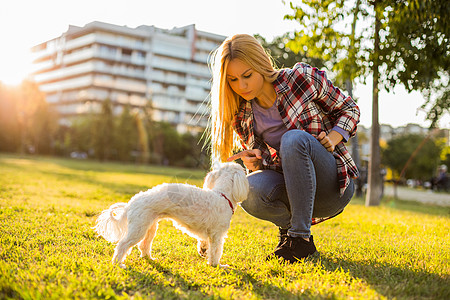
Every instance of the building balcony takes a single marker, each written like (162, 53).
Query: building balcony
(89, 67)
(167, 92)
(197, 69)
(165, 103)
(61, 73)
(95, 94)
(131, 86)
(121, 41)
(97, 37)
(80, 55)
(73, 83)
(201, 57)
(172, 50)
(168, 78)
(196, 93)
(203, 83)
(206, 45)
(170, 64)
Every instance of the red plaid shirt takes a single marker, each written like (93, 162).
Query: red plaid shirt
(306, 100)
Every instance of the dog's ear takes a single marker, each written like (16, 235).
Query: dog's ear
(210, 180)
(240, 186)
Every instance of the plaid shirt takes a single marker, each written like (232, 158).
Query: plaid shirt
(306, 100)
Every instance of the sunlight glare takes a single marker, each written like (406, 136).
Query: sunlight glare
(15, 66)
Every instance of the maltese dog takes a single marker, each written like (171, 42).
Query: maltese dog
(204, 214)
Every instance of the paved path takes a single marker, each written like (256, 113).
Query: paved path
(404, 193)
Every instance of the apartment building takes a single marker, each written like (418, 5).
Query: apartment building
(130, 66)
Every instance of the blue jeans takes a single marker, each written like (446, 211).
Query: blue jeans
(308, 186)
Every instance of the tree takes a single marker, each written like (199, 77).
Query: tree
(422, 166)
(143, 144)
(79, 136)
(103, 132)
(416, 51)
(42, 119)
(174, 149)
(125, 136)
(326, 31)
(282, 54)
(27, 122)
(9, 124)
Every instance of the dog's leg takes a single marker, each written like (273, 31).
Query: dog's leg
(202, 248)
(145, 246)
(136, 232)
(215, 250)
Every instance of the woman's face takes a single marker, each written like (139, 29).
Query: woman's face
(243, 80)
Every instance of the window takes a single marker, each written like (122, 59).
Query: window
(127, 52)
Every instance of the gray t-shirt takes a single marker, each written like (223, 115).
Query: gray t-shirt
(270, 127)
(268, 124)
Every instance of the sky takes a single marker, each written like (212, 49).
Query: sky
(26, 23)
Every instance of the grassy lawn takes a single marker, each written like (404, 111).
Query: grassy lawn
(48, 249)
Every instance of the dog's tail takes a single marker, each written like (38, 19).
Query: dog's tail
(112, 223)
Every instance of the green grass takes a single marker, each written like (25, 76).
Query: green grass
(48, 249)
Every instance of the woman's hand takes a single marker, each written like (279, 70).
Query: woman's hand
(329, 141)
(252, 159)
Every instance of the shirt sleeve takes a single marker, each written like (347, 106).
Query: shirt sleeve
(345, 134)
(342, 109)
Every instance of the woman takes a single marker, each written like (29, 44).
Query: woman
(292, 124)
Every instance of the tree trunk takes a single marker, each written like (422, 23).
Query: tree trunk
(374, 191)
(355, 147)
(349, 86)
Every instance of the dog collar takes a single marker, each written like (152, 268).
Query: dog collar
(229, 202)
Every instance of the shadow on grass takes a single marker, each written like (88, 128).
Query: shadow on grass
(187, 288)
(265, 290)
(391, 281)
(163, 290)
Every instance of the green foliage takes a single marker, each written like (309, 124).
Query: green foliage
(416, 50)
(413, 51)
(125, 135)
(48, 249)
(28, 124)
(78, 136)
(422, 166)
(178, 149)
(103, 132)
(143, 146)
(283, 56)
(9, 123)
(26, 120)
(327, 32)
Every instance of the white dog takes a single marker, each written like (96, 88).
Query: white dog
(204, 214)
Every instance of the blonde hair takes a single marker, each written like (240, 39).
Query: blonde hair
(224, 102)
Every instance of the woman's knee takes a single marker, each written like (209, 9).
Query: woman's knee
(250, 207)
(266, 189)
(276, 212)
(294, 139)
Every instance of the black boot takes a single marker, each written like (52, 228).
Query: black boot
(295, 248)
(282, 236)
